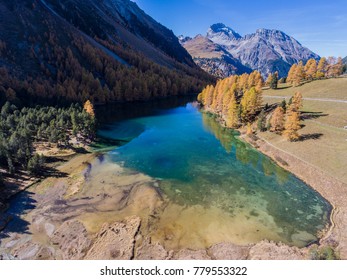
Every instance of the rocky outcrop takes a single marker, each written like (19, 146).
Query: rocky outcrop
(266, 250)
(45, 253)
(149, 251)
(115, 241)
(72, 239)
(228, 251)
(27, 251)
(187, 254)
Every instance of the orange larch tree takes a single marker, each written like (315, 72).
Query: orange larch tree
(277, 121)
(292, 125)
(89, 108)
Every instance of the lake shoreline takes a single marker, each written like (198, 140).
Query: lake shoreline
(22, 181)
(140, 239)
(333, 190)
(62, 233)
(118, 198)
(330, 188)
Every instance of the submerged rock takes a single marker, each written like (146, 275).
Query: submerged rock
(115, 241)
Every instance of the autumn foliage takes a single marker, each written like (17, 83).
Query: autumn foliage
(89, 108)
(237, 99)
(325, 68)
(292, 125)
(288, 123)
(81, 71)
(277, 121)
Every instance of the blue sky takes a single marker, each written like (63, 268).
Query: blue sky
(319, 25)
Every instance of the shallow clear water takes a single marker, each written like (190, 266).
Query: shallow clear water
(220, 188)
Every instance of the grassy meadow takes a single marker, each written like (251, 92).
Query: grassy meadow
(324, 142)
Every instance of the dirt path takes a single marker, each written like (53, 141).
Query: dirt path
(308, 98)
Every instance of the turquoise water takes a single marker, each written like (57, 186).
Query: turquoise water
(205, 168)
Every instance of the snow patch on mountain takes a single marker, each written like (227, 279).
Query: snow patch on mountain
(222, 34)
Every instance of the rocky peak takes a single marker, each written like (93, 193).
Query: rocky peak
(271, 34)
(222, 34)
(183, 39)
(266, 50)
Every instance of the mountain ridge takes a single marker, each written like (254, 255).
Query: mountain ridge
(213, 58)
(266, 50)
(103, 50)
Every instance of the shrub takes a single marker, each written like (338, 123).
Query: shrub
(323, 253)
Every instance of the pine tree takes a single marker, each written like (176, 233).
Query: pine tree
(274, 81)
(290, 102)
(284, 105)
(36, 164)
(277, 121)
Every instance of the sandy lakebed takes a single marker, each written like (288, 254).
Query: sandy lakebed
(113, 213)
